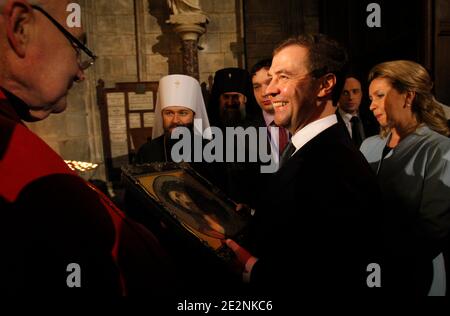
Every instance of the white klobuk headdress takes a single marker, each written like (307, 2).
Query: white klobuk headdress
(180, 90)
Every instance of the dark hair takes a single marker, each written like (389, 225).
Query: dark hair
(169, 186)
(325, 55)
(352, 73)
(356, 75)
(264, 63)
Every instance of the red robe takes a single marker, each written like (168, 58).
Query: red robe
(51, 217)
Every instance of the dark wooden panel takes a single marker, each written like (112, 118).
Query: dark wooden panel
(400, 36)
(135, 137)
(442, 60)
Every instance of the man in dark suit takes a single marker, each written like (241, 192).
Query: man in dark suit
(353, 111)
(321, 232)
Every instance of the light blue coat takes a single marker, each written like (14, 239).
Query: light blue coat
(416, 176)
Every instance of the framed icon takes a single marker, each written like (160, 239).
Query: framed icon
(188, 201)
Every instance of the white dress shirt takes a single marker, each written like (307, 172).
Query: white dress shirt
(346, 117)
(311, 130)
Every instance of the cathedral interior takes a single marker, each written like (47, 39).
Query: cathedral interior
(143, 40)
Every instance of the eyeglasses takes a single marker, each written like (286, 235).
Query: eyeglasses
(83, 61)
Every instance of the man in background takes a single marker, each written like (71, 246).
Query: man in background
(232, 102)
(232, 106)
(260, 81)
(359, 122)
(179, 102)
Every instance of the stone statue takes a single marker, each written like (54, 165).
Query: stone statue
(184, 7)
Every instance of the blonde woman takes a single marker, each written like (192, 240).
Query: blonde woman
(411, 157)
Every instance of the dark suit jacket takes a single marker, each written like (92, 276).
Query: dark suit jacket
(321, 227)
(153, 151)
(368, 121)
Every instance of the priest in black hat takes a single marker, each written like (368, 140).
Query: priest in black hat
(232, 102)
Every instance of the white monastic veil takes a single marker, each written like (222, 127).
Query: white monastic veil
(181, 90)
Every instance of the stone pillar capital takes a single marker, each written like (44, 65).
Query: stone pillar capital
(189, 32)
(189, 26)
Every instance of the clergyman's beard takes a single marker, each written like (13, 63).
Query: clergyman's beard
(168, 131)
(233, 116)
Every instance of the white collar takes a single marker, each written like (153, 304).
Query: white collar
(347, 116)
(300, 138)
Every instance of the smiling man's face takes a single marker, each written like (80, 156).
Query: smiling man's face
(292, 89)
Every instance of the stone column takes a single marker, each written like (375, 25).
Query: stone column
(189, 26)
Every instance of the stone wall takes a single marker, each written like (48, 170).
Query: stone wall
(114, 40)
(160, 48)
(220, 47)
(269, 22)
(111, 28)
(75, 134)
(222, 44)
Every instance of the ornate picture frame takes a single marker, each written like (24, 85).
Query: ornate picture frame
(186, 200)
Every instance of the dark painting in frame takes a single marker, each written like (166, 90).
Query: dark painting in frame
(189, 202)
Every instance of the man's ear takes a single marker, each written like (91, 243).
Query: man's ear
(326, 86)
(18, 14)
